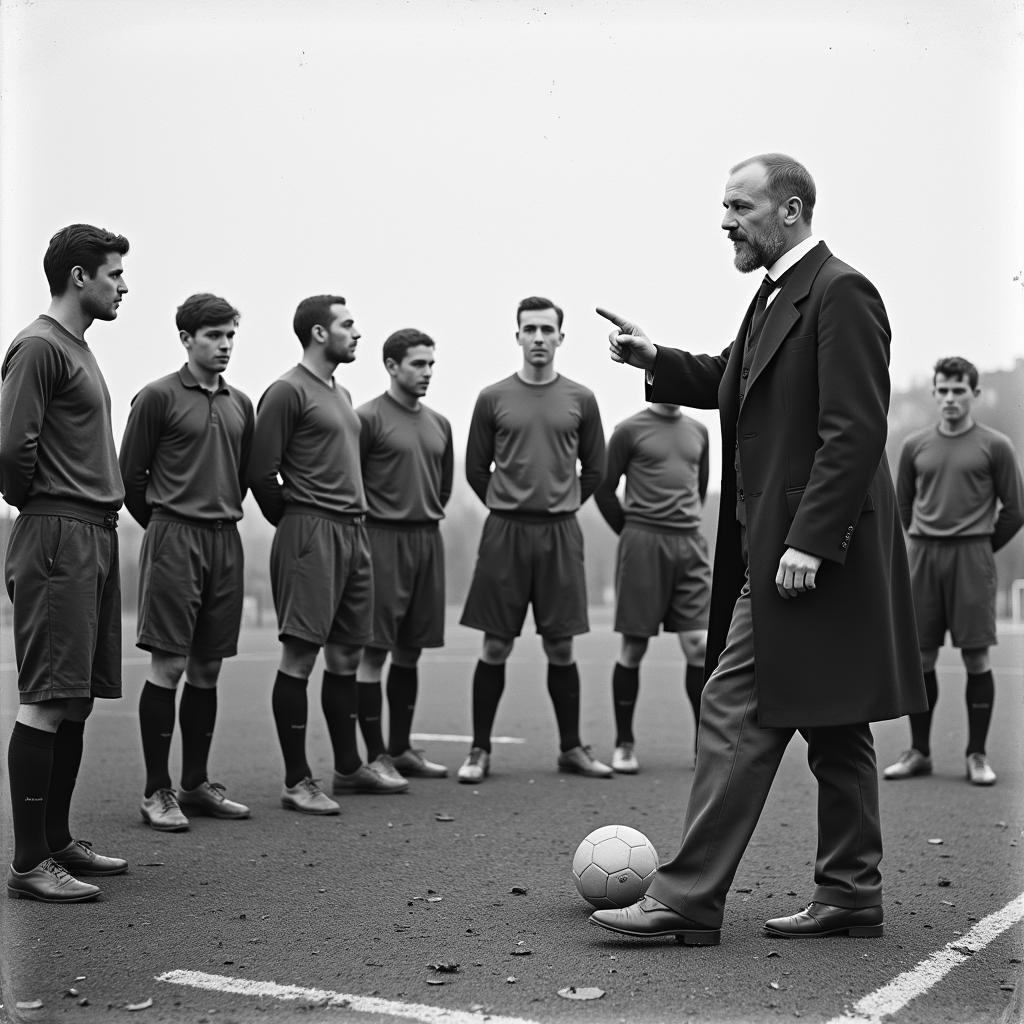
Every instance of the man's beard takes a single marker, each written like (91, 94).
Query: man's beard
(762, 250)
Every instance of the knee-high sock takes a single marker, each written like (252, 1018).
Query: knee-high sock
(488, 686)
(156, 723)
(67, 758)
(921, 723)
(403, 686)
(369, 703)
(290, 707)
(340, 703)
(29, 765)
(694, 688)
(981, 692)
(197, 714)
(564, 690)
(625, 688)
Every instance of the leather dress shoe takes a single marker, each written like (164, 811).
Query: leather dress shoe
(580, 761)
(365, 780)
(210, 798)
(911, 762)
(412, 762)
(476, 767)
(82, 860)
(650, 919)
(822, 919)
(48, 882)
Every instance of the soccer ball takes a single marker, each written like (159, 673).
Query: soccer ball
(613, 866)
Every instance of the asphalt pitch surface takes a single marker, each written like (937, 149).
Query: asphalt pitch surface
(364, 903)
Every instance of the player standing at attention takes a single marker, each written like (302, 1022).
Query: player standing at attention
(663, 573)
(183, 460)
(58, 467)
(951, 479)
(407, 466)
(320, 572)
(533, 427)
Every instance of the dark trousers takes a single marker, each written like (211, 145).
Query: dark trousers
(736, 764)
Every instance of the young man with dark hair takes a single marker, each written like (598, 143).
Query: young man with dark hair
(663, 573)
(307, 433)
(58, 467)
(532, 427)
(407, 462)
(183, 460)
(951, 480)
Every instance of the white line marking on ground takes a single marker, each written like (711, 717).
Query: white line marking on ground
(444, 737)
(360, 1004)
(909, 985)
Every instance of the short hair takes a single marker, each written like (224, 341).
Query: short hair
(398, 344)
(79, 245)
(785, 177)
(956, 366)
(533, 302)
(312, 311)
(204, 310)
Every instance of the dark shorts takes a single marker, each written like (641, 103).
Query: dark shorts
(954, 587)
(321, 578)
(408, 585)
(190, 588)
(522, 562)
(663, 578)
(62, 577)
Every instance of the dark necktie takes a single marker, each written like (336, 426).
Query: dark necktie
(761, 303)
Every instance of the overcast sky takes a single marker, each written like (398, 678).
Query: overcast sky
(435, 161)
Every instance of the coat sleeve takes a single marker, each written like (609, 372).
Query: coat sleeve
(683, 378)
(853, 401)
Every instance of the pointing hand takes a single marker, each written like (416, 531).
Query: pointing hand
(628, 343)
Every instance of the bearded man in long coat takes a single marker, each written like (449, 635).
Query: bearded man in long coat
(812, 624)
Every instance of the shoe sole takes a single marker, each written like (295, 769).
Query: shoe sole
(366, 791)
(860, 931)
(163, 828)
(415, 773)
(906, 775)
(684, 936)
(20, 894)
(980, 782)
(289, 806)
(210, 813)
(585, 775)
(626, 771)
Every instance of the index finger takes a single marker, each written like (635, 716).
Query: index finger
(621, 322)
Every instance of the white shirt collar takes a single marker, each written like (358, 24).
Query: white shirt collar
(791, 257)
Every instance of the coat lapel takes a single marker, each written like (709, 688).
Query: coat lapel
(782, 313)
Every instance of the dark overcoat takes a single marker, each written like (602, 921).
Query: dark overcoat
(811, 431)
